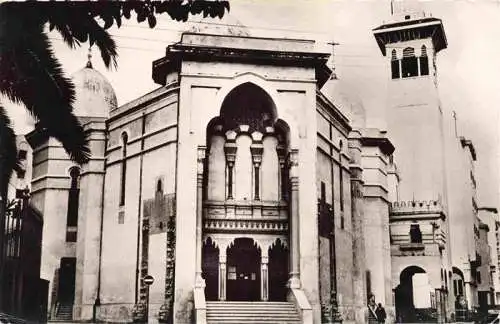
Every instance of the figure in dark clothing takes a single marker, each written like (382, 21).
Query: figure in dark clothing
(380, 312)
(372, 310)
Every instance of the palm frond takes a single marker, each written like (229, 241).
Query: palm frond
(8, 150)
(33, 76)
(103, 40)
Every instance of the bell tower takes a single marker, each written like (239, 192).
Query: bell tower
(419, 228)
(411, 42)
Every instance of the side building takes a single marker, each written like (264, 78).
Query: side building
(23, 292)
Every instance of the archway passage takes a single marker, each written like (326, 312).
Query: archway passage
(404, 296)
(243, 270)
(278, 271)
(210, 269)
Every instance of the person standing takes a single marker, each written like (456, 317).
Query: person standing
(372, 310)
(381, 314)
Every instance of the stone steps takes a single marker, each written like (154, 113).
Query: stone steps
(252, 312)
(64, 313)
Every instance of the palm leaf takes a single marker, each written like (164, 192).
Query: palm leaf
(8, 150)
(33, 76)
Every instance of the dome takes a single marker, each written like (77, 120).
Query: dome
(95, 96)
(346, 100)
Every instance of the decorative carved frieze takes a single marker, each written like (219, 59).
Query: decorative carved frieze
(247, 225)
(245, 210)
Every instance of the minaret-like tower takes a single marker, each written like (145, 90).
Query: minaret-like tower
(418, 217)
(411, 43)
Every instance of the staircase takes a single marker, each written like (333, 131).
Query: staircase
(64, 312)
(252, 312)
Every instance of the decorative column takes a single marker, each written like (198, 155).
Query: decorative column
(282, 187)
(264, 276)
(230, 151)
(257, 149)
(294, 281)
(199, 281)
(222, 274)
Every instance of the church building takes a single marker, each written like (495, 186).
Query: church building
(230, 185)
(243, 187)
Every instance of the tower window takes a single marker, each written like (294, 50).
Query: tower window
(424, 62)
(22, 154)
(415, 233)
(395, 65)
(409, 63)
(159, 186)
(123, 168)
(73, 196)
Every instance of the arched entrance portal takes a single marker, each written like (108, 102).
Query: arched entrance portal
(411, 294)
(278, 271)
(243, 270)
(246, 196)
(210, 269)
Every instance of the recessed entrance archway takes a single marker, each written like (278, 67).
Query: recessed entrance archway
(278, 271)
(243, 270)
(406, 294)
(210, 269)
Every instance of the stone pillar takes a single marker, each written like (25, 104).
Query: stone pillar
(282, 187)
(89, 225)
(199, 281)
(230, 151)
(222, 274)
(264, 276)
(357, 212)
(257, 149)
(294, 281)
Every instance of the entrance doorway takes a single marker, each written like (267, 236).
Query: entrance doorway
(278, 271)
(210, 269)
(412, 295)
(243, 270)
(66, 291)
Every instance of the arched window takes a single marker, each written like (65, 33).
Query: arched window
(159, 186)
(415, 234)
(395, 65)
(409, 64)
(73, 197)
(424, 61)
(123, 168)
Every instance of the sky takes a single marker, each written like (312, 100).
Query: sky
(468, 70)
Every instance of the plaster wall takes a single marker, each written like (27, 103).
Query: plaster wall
(121, 242)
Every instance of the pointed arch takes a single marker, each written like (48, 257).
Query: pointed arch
(73, 204)
(395, 65)
(248, 104)
(424, 61)
(123, 171)
(409, 64)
